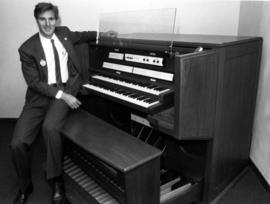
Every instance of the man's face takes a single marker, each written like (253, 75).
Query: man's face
(46, 23)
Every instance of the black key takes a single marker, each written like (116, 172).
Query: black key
(159, 88)
(133, 95)
(149, 100)
(152, 86)
(126, 93)
(142, 98)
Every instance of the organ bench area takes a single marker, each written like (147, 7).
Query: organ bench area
(161, 122)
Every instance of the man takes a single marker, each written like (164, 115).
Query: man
(51, 70)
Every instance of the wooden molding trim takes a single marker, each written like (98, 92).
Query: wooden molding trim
(8, 120)
(262, 180)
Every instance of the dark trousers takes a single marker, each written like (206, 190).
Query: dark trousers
(50, 117)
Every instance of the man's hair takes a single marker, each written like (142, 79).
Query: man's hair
(42, 7)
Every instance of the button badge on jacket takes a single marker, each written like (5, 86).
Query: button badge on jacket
(42, 62)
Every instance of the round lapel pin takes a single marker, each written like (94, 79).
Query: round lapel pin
(42, 62)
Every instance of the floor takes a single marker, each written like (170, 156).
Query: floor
(248, 190)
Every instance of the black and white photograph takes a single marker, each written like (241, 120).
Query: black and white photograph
(134, 102)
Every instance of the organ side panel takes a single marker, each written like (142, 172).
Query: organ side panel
(193, 113)
(195, 97)
(235, 111)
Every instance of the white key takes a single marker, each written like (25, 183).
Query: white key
(72, 168)
(112, 201)
(68, 166)
(67, 160)
(92, 188)
(78, 175)
(97, 193)
(88, 183)
(104, 197)
(82, 179)
(75, 172)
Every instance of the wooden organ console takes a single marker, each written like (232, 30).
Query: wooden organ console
(161, 125)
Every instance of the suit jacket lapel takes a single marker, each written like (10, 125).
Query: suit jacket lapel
(40, 56)
(68, 46)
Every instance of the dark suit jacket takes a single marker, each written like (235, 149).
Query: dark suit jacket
(34, 66)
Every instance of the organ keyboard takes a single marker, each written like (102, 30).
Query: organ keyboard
(139, 94)
(138, 81)
(143, 100)
(148, 88)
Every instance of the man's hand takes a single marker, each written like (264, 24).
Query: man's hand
(72, 101)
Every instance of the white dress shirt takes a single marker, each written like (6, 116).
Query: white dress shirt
(49, 55)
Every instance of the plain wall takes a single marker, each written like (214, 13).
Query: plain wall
(18, 24)
(255, 20)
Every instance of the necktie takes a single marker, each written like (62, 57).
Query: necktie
(57, 66)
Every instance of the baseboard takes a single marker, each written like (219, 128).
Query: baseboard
(262, 180)
(229, 186)
(9, 120)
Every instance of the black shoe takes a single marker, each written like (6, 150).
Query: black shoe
(59, 196)
(22, 197)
